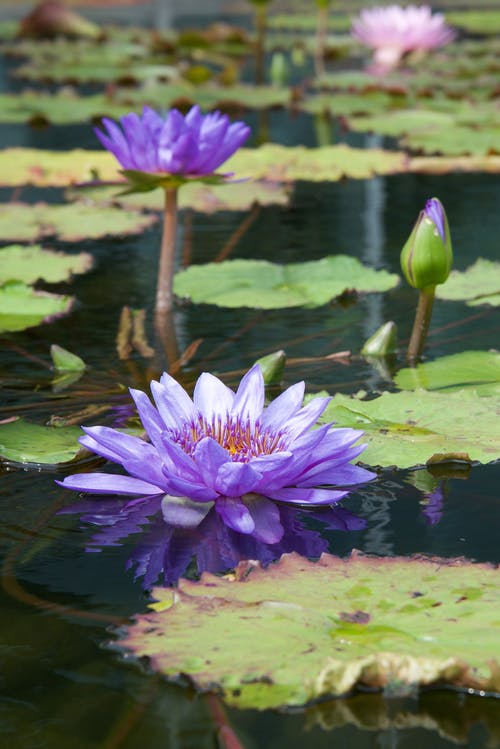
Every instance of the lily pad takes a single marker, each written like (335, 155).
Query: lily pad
(62, 108)
(32, 166)
(479, 284)
(410, 429)
(30, 264)
(458, 140)
(25, 223)
(476, 21)
(326, 164)
(35, 445)
(259, 283)
(325, 628)
(235, 196)
(479, 370)
(21, 307)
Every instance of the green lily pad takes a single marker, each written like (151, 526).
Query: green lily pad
(325, 628)
(62, 108)
(231, 196)
(479, 284)
(31, 444)
(479, 370)
(476, 21)
(30, 264)
(258, 283)
(326, 164)
(307, 22)
(410, 429)
(32, 166)
(25, 223)
(21, 307)
(403, 122)
(458, 140)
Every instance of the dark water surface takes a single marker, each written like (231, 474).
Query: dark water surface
(61, 686)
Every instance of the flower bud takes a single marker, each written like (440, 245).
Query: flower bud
(427, 255)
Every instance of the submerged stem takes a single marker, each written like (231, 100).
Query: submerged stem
(422, 320)
(164, 293)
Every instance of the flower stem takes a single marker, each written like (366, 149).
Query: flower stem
(260, 50)
(164, 293)
(421, 325)
(321, 37)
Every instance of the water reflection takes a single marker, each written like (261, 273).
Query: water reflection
(164, 551)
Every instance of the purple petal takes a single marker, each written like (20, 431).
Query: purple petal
(172, 401)
(120, 444)
(283, 407)
(343, 475)
(211, 397)
(108, 483)
(150, 418)
(297, 495)
(183, 513)
(180, 487)
(306, 417)
(249, 398)
(235, 514)
(209, 457)
(236, 479)
(266, 516)
(434, 211)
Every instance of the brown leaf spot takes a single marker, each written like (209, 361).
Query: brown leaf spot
(356, 617)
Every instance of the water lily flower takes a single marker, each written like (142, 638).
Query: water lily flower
(168, 151)
(172, 148)
(225, 449)
(393, 31)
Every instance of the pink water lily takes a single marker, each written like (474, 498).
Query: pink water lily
(393, 31)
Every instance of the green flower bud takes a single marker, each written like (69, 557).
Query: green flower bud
(427, 256)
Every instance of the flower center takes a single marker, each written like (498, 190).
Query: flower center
(242, 439)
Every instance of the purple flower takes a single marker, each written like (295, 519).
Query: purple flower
(432, 504)
(393, 31)
(191, 146)
(226, 449)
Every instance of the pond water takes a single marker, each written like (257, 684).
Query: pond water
(62, 685)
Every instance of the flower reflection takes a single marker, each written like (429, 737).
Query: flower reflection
(165, 550)
(432, 505)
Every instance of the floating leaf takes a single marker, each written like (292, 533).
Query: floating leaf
(35, 445)
(479, 370)
(479, 284)
(25, 223)
(235, 196)
(259, 283)
(32, 166)
(326, 627)
(457, 140)
(476, 21)
(29, 264)
(330, 163)
(62, 108)
(21, 307)
(411, 428)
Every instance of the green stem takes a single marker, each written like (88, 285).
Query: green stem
(260, 47)
(321, 37)
(164, 292)
(422, 320)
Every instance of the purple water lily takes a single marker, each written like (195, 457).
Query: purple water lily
(167, 152)
(165, 551)
(227, 449)
(194, 145)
